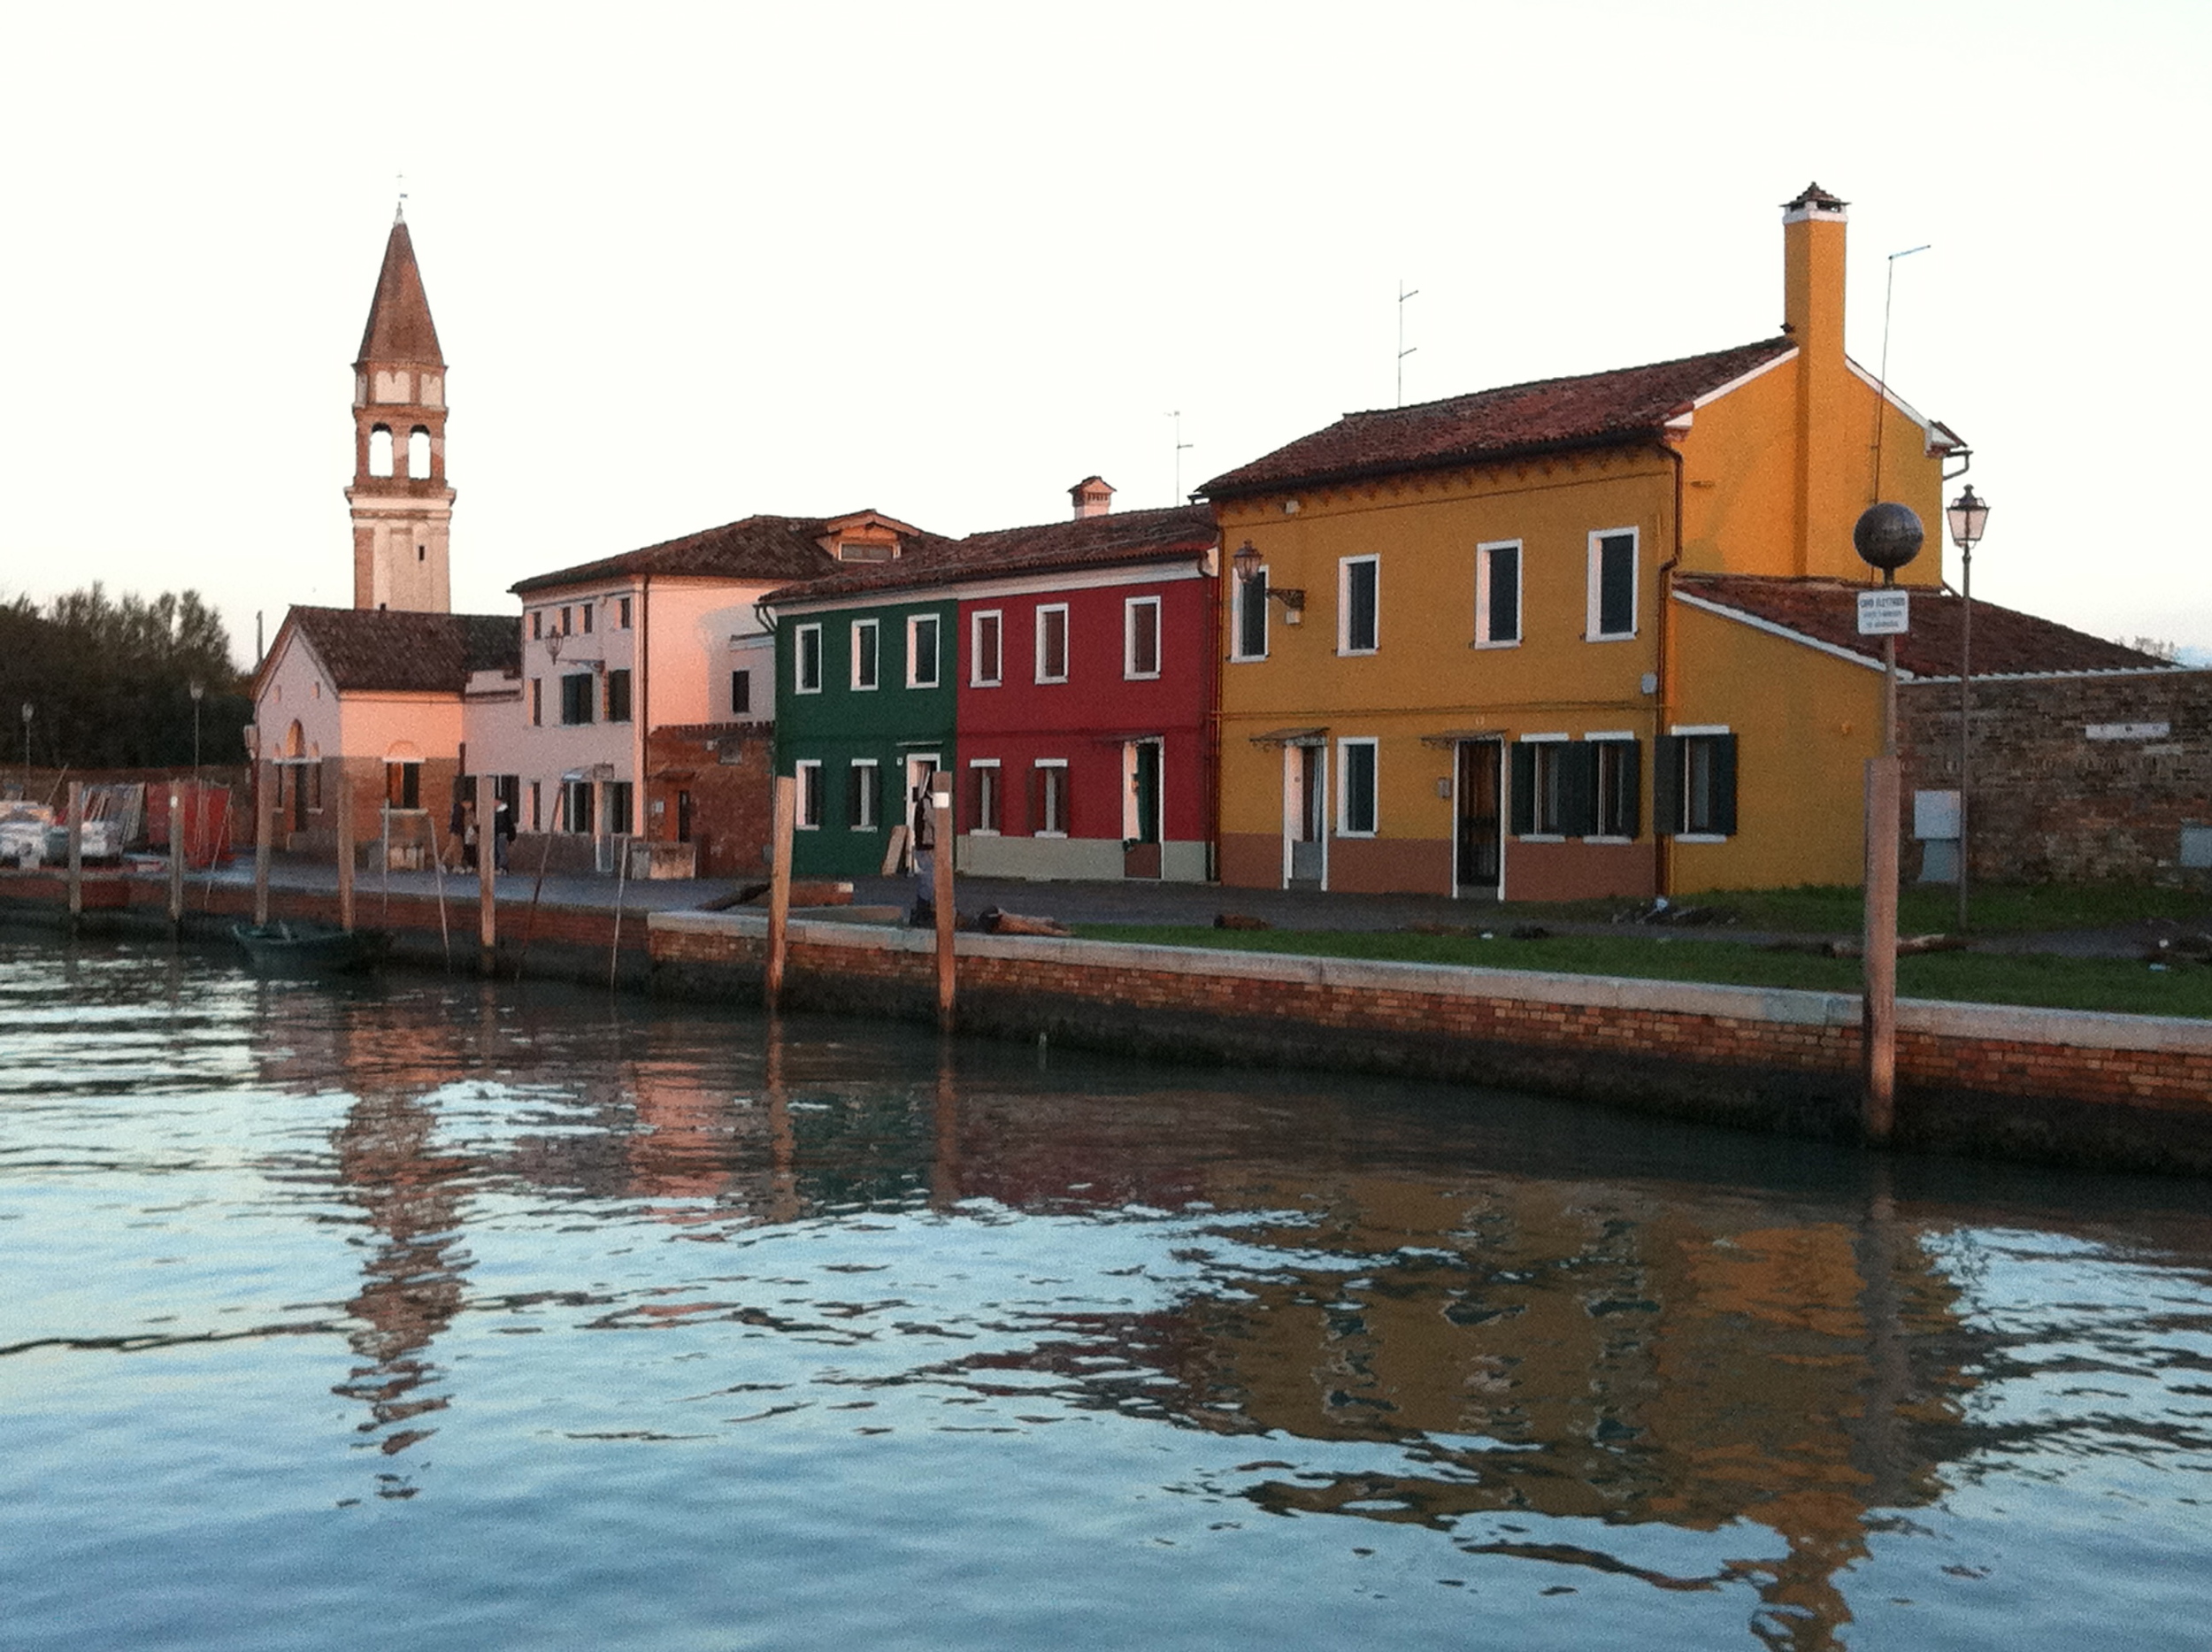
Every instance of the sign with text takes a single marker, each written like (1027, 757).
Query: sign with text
(1885, 613)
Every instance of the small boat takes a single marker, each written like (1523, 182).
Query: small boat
(308, 948)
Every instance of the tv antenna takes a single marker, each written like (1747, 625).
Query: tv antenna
(1404, 350)
(1881, 382)
(1181, 448)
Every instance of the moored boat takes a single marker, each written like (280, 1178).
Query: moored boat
(287, 948)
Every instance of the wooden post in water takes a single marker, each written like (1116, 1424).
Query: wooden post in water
(940, 891)
(76, 851)
(1878, 1021)
(345, 847)
(779, 888)
(176, 856)
(486, 864)
(264, 836)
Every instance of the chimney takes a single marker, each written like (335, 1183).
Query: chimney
(1812, 272)
(1092, 497)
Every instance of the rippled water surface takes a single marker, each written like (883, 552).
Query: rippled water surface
(423, 1314)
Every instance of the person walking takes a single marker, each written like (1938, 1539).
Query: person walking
(502, 832)
(921, 841)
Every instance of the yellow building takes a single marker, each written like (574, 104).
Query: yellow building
(1457, 660)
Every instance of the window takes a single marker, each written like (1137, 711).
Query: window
(1052, 797)
(537, 702)
(568, 620)
(921, 650)
(576, 698)
(1693, 789)
(1545, 771)
(381, 450)
(1355, 793)
(806, 660)
(810, 797)
(1052, 643)
(1612, 585)
(1357, 581)
(622, 613)
(575, 806)
(986, 811)
(1140, 637)
(402, 784)
(866, 649)
(418, 454)
(864, 796)
(618, 815)
(618, 696)
(537, 624)
(587, 619)
(740, 692)
(1498, 594)
(1251, 600)
(861, 551)
(983, 633)
(537, 806)
(1617, 801)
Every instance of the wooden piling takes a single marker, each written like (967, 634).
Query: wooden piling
(345, 849)
(1878, 1020)
(264, 836)
(487, 866)
(76, 851)
(940, 892)
(779, 888)
(176, 856)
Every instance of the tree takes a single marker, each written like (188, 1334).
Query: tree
(110, 679)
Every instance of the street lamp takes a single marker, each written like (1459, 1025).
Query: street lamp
(26, 751)
(1887, 536)
(1968, 516)
(199, 691)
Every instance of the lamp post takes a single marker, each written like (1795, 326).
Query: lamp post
(1887, 536)
(199, 692)
(1968, 516)
(26, 751)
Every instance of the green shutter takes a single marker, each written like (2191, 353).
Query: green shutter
(1632, 785)
(1579, 788)
(1666, 786)
(1523, 800)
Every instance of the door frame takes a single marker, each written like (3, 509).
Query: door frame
(1461, 890)
(1295, 799)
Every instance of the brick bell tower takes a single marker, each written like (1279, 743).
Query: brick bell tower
(401, 507)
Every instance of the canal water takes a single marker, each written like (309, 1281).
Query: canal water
(421, 1313)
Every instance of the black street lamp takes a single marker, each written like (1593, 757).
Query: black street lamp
(1968, 516)
(26, 751)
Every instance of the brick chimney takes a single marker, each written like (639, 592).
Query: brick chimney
(1092, 497)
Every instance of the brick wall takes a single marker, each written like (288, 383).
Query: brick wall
(727, 770)
(2050, 804)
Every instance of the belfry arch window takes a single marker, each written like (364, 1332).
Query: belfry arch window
(418, 454)
(381, 450)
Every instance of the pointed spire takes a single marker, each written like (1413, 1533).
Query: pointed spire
(400, 328)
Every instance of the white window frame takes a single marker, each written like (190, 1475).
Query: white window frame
(1692, 731)
(1484, 576)
(1344, 567)
(1252, 590)
(1608, 737)
(976, 679)
(873, 631)
(936, 623)
(1130, 609)
(1044, 609)
(1558, 742)
(1344, 827)
(805, 818)
(871, 796)
(800, 637)
(1598, 536)
(979, 767)
(1045, 766)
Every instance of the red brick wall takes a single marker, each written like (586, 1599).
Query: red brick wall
(730, 777)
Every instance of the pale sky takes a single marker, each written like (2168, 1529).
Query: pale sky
(689, 263)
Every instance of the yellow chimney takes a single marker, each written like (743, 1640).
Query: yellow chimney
(1829, 466)
(1812, 271)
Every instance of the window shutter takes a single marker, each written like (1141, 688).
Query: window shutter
(1523, 789)
(1666, 786)
(1579, 784)
(1724, 784)
(1632, 785)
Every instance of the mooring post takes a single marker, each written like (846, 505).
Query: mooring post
(486, 864)
(940, 891)
(263, 835)
(76, 851)
(176, 856)
(779, 888)
(1878, 1023)
(345, 847)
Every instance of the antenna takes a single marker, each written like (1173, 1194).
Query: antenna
(1881, 382)
(1181, 448)
(1404, 292)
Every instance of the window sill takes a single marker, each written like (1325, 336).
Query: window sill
(984, 682)
(1062, 835)
(1356, 837)
(1701, 837)
(1539, 837)
(931, 683)
(982, 832)
(1500, 642)
(1351, 654)
(1608, 839)
(864, 687)
(1610, 637)
(1140, 676)
(1245, 659)
(1047, 683)
(806, 691)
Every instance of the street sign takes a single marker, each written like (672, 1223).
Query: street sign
(1885, 613)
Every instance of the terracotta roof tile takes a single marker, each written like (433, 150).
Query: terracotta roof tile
(1119, 536)
(380, 650)
(758, 548)
(2007, 642)
(1590, 410)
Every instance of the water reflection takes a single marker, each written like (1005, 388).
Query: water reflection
(1529, 1332)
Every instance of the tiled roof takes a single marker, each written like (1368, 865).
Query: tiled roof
(759, 548)
(380, 650)
(1550, 415)
(400, 328)
(1119, 536)
(2007, 642)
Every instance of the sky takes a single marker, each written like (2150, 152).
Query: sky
(689, 263)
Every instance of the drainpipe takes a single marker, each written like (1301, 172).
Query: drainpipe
(1662, 845)
(641, 694)
(1210, 728)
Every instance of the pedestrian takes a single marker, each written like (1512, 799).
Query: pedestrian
(502, 833)
(457, 824)
(921, 843)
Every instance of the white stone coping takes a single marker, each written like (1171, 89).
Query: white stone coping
(1780, 1005)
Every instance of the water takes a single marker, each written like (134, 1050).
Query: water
(425, 1314)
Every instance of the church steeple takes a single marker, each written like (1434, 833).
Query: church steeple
(401, 507)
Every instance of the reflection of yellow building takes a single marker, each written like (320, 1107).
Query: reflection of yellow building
(1462, 666)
